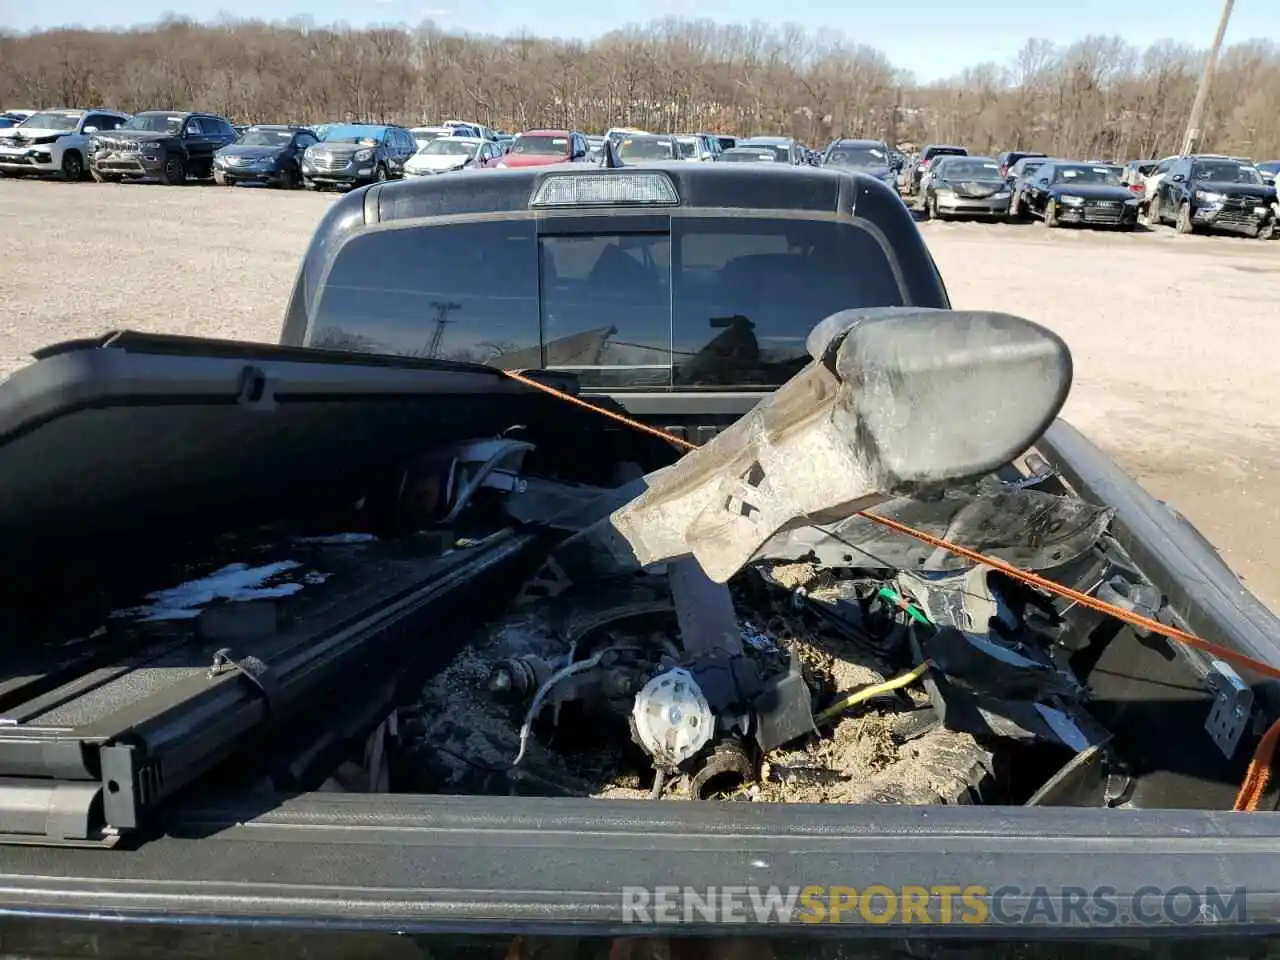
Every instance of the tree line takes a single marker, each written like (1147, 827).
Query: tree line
(1099, 97)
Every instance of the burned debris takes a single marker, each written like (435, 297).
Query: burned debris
(733, 627)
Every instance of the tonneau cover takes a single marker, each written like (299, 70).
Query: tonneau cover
(147, 434)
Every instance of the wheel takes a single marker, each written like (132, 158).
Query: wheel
(72, 166)
(1051, 213)
(1184, 224)
(174, 172)
(219, 178)
(381, 175)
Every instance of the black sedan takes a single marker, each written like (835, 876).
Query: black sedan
(265, 153)
(1063, 192)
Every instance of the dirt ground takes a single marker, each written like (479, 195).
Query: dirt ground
(1176, 375)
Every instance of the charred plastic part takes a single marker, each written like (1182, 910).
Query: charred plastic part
(1028, 528)
(672, 718)
(726, 768)
(517, 679)
(895, 400)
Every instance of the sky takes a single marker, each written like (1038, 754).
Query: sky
(932, 38)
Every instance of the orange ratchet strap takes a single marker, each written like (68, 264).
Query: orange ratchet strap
(1259, 769)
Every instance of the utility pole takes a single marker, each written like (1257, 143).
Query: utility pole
(1191, 140)
(442, 311)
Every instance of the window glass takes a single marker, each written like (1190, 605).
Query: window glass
(194, 127)
(747, 293)
(454, 292)
(606, 303)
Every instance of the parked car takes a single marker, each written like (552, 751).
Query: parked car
(920, 169)
(618, 134)
(538, 148)
(1215, 192)
(469, 128)
(966, 186)
(423, 135)
(748, 155)
(447, 154)
(1009, 157)
(1151, 182)
(785, 149)
(1017, 178)
(352, 154)
(699, 147)
(55, 141)
(167, 145)
(265, 153)
(647, 148)
(866, 156)
(1071, 192)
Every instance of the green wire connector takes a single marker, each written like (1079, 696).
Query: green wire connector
(914, 612)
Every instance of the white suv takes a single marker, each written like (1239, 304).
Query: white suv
(54, 141)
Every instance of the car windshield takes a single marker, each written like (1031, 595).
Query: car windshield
(857, 157)
(780, 151)
(155, 122)
(354, 133)
(646, 148)
(262, 137)
(1084, 173)
(966, 169)
(448, 147)
(53, 120)
(1225, 171)
(541, 145)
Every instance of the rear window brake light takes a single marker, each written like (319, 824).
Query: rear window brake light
(605, 190)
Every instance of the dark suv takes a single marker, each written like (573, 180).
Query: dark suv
(169, 145)
(1214, 192)
(353, 154)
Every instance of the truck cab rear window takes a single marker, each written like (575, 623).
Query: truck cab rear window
(714, 302)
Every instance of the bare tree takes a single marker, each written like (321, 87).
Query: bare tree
(1098, 97)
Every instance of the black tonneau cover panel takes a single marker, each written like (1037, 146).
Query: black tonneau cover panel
(138, 432)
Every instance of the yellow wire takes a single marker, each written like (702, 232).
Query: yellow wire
(875, 690)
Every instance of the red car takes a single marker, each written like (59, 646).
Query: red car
(538, 148)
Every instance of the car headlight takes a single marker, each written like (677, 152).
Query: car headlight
(363, 155)
(1001, 195)
(1208, 196)
(1070, 201)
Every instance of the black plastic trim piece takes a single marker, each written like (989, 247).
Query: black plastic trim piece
(426, 864)
(1203, 592)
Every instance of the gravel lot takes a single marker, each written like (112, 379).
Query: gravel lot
(1175, 375)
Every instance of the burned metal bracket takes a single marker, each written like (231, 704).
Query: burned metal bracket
(1232, 707)
(890, 404)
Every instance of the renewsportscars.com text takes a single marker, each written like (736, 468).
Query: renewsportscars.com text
(936, 904)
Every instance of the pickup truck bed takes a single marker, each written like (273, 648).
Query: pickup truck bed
(253, 748)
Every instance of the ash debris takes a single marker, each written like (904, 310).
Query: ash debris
(463, 739)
